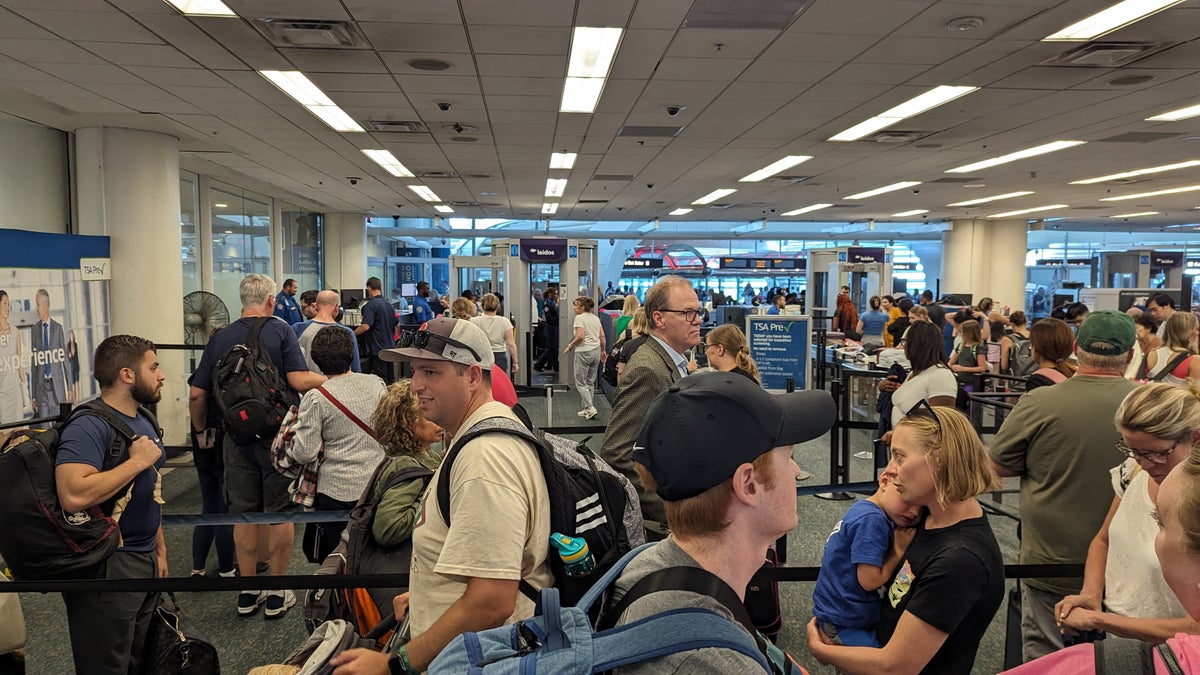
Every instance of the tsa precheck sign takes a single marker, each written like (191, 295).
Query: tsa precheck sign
(780, 348)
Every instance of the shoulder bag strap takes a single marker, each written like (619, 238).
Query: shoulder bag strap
(346, 411)
(1169, 659)
(1174, 363)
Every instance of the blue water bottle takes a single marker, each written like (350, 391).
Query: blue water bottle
(576, 557)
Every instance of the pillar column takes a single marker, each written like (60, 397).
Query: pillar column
(986, 258)
(345, 249)
(128, 189)
(1005, 260)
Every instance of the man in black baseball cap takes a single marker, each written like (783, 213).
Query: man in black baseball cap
(718, 449)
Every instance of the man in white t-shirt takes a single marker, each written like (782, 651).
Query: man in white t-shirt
(466, 575)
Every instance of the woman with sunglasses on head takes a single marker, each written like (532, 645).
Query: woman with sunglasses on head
(950, 581)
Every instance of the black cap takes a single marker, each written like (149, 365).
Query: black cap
(697, 433)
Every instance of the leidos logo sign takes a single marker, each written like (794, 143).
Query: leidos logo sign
(95, 269)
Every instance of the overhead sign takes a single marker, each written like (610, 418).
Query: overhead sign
(779, 346)
(865, 255)
(737, 263)
(1069, 261)
(1167, 259)
(643, 263)
(543, 250)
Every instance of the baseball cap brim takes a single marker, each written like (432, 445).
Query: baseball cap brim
(806, 415)
(408, 353)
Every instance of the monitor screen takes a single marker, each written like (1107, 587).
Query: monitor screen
(353, 297)
(408, 289)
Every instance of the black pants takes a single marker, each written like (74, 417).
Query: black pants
(108, 630)
(549, 357)
(210, 469)
(374, 365)
(325, 536)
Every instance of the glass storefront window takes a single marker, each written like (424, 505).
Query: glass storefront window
(189, 222)
(303, 236)
(241, 239)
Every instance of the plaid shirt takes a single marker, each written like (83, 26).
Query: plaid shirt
(303, 489)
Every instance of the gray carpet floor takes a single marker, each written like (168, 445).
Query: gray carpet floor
(246, 642)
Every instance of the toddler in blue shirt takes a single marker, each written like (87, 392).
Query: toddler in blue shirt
(860, 556)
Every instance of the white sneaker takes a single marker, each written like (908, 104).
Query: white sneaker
(588, 413)
(278, 603)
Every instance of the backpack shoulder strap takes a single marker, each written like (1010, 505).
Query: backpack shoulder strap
(406, 474)
(255, 328)
(671, 632)
(1171, 366)
(123, 436)
(487, 426)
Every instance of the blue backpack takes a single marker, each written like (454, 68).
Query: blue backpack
(562, 640)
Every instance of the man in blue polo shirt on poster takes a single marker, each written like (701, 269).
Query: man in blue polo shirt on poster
(286, 307)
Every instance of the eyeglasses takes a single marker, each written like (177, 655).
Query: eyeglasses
(1156, 456)
(420, 339)
(689, 315)
(923, 408)
(708, 347)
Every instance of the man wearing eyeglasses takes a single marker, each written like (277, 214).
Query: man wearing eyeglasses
(1060, 441)
(673, 313)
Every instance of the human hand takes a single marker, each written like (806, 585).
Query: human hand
(818, 642)
(515, 367)
(161, 564)
(886, 438)
(902, 537)
(1070, 603)
(1082, 621)
(145, 452)
(400, 605)
(360, 662)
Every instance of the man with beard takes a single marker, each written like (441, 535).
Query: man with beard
(108, 630)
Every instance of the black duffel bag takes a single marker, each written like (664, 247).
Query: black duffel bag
(174, 647)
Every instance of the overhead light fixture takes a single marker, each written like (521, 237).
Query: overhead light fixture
(914, 212)
(1139, 172)
(1014, 156)
(852, 228)
(562, 160)
(984, 200)
(388, 161)
(442, 208)
(592, 53)
(1135, 215)
(806, 209)
(425, 193)
(441, 224)
(296, 85)
(886, 188)
(221, 206)
(680, 212)
(1176, 115)
(1118, 16)
(714, 196)
(1035, 209)
(775, 167)
(555, 187)
(648, 227)
(910, 108)
(550, 208)
(201, 7)
(1189, 188)
(749, 227)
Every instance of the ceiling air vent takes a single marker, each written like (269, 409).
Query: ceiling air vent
(591, 201)
(786, 180)
(895, 136)
(437, 174)
(464, 204)
(305, 34)
(612, 178)
(1106, 54)
(744, 14)
(955, 179)
(397, 126)
(845, 206)
(649, 132)
(1139, 137)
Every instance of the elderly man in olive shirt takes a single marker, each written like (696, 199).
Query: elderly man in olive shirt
(1061, 441)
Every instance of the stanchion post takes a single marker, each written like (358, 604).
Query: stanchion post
(838, 388)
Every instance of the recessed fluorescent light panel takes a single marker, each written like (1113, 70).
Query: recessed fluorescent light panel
(910, 108)
(1189, 188)
(442, 208)
(680, 212)
(389, 162)
(550, 208)
(775, 167)
(425, 193)
(886, 188)
(1176, 115)
(1014, 156)
(984, 200)
(1035, 209)
(914, 212)
(1118, 16)
(1138, 172)
(714, 196)
(592, 54)
(1135, 215)
(562, 160)
(303, 91)
(555, 187)
(806, 209)
(201, 7)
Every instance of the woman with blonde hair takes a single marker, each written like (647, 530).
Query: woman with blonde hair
(499, 331)
(462, 308)
(1174, 362)
(950, 579)
(729, 352)
(631, 305)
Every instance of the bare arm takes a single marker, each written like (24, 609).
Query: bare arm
(1093, 572)
(912, 646)
(198, 407)
(487, 603)
(82, 486)
(579, 335)
(942, 401)
(303, 380)
(361, 328)
(1005, 345)
(511, 342)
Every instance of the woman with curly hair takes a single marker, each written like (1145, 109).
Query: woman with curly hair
(405, 435)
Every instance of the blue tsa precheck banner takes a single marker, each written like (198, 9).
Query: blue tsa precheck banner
(780, 347)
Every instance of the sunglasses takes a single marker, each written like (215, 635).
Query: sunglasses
(420, 340)
(923, 408)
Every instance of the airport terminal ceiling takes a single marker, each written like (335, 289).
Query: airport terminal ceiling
(700, 94)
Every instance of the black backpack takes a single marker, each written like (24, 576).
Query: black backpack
(251, 397)
(609, 372)
(1020, 356)
(38, 540)
(587, 499)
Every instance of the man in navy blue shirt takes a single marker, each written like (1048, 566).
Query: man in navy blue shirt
(379, 328)
(422, 312)
(108, 630)
(285, 303)
(252, 485)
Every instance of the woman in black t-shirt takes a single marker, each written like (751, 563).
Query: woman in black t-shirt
(950, 580)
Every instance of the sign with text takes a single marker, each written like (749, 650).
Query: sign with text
(1167, 259)
(643, 263)
(779, 346)
(865, 255)
(543, 250)
(95, 269)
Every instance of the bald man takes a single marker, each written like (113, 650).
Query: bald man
(327, 309)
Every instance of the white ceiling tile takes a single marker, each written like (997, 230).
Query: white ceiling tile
(640, 53)
(13, 26)
(876, 73)
(603, 13)
(864, 17)
(793, 46)
(91, 105)
(700, 69)
(409, 11)
(460, 64)
(46, 51)
(518, 13)
(334, 60)
(329, 10)
(108, 26)
(998, 18)
(916, 50)
(181, 77)
(438, 84)
(84, 74)
(138, 54)
(791, 72)
(523, 86)
(533, 103)
(716, 43)
(416, 37)
(521, 40)
(521, 65)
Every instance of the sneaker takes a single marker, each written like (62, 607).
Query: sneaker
(228, 574)
(278, 603)
(588, 413)
(583, 413)
(248, 602)
(198, 573)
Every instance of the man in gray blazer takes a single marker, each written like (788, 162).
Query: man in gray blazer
(673, 313)
(50, 365)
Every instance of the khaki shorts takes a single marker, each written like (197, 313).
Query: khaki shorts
(252, 485)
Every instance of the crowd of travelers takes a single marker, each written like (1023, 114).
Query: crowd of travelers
(911, 576)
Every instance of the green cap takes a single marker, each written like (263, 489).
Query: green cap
(1106, 333)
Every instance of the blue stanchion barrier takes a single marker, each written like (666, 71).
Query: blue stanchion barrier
(255, 518)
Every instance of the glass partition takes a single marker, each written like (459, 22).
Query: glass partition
(189, 223)
(303, 238)
(241, 239)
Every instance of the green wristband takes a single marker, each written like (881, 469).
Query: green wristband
(408, 668)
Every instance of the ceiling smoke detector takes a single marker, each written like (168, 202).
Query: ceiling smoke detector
(429, 64)
(964, 23)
